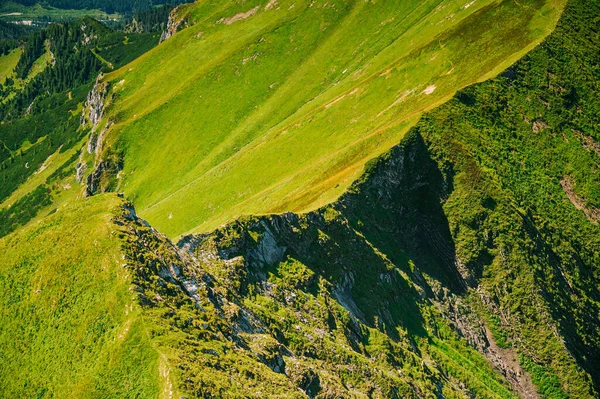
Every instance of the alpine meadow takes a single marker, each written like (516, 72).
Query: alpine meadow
(300, 199)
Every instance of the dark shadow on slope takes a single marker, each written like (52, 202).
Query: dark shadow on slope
(362, 281)
(398, 208)
(391, 220)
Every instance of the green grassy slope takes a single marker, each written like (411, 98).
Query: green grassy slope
(70, 325)
(257, 109)
(8, 62)
(482, 223)
(462, 263)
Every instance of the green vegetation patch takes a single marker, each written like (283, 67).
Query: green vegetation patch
(41, 13)
(521, 160)
(70, 327)
(8, 62)
(24, 210)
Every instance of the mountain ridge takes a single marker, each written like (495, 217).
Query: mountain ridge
(463, 262)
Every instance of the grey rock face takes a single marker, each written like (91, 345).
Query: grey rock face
(80, 171)
(173, 25)
(93, 109)
(268, 251)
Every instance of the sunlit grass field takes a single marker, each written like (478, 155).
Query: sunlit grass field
(8, 62)
(68, 316)
(256, 109)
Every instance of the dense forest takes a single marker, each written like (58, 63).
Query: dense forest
(10, 31)
(76, 53)
(51, 79)
(69, 51)
(151, 20)
(12, 35)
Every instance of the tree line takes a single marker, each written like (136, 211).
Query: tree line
(109, 6)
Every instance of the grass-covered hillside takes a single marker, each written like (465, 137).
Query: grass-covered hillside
(261, 107)
(71, 328)
(480, 227)
(8, 63)
(450, 246)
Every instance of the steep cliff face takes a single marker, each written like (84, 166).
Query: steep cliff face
(93, 111)
(104, 162)
(321, 305)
